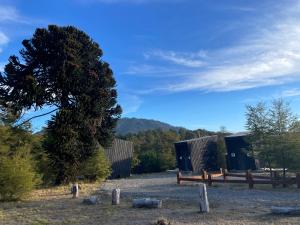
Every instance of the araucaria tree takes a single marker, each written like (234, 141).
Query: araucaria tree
(62, 67)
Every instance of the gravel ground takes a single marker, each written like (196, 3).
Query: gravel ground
(229, 204)
(164, 186)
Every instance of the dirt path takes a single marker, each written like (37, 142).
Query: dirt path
(229, 204)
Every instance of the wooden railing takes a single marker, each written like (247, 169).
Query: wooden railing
(249, 178)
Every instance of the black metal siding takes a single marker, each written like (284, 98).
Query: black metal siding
(200, 153)
(120, 155)
(238, 153)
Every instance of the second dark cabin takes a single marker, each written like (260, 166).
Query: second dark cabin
(239, 155)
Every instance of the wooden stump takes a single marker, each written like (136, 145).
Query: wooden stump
(115, 196)
(146, 203)
(203, 203)
(75, 190)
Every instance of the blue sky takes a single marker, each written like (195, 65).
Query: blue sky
(190, 63)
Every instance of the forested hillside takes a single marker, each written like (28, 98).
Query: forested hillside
(135, 125)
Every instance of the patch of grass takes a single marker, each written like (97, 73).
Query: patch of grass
(2, 215)
(40, 221)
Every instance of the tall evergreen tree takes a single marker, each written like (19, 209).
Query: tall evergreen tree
(62, 67)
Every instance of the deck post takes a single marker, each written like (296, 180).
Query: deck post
(209, 179)
(178, 177)
(298, 180)
(249, 178)
(223, 171)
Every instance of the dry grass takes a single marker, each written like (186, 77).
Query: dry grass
(56, 207)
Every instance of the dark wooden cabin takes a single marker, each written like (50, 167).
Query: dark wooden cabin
(120, 156)
(197, 154)
(239, 155)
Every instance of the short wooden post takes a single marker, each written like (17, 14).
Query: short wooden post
(249, 177)
(75, 190)
(204, 175)
(223, 171)
(178, 177)
(284, 181)
(298, 180)
(209, 179)
(274, 178)
(203, 203)
(115, 196)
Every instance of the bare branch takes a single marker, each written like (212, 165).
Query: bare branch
(44, 114)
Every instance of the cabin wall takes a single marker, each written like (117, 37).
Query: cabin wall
(195, 155)
(120, 156)
(239, 154)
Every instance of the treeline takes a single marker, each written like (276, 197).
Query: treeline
(154, 149)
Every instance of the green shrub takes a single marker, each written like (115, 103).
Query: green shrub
(152, 161)
(17, 177)
(96, 167)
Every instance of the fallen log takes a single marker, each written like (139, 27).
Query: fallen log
(146, 203)
(285, 210)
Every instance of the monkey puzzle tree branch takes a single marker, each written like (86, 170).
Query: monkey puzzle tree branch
(44, 114)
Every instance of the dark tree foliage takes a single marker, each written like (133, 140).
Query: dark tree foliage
(62, 67)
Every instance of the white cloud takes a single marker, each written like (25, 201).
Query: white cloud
(270, 59)
(184, 59)
(267, 56)
(129, 103)
(10, 14)
(3, 40)
(291, 92)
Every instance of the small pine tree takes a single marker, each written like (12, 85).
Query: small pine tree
(97, 166)
(17, 177)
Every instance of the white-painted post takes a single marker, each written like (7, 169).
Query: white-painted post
(75, 190)
(115, 197)
(203, 203)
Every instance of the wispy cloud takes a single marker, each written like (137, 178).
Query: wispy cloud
(3, 40)
(11, 14)
(291, 92)
(268, 56)
(130, 103)
(180, 58)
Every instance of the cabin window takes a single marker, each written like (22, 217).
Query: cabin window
(232, 154)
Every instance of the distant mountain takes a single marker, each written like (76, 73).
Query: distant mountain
(134, 125)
